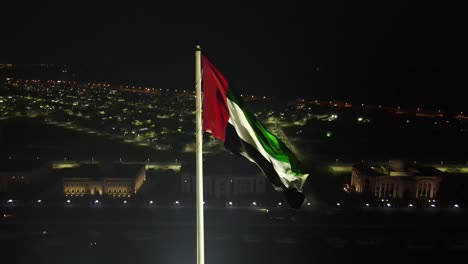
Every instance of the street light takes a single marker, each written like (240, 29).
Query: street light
(96, 201)
(177, 202)
(151, 202)
(39, 201)
(68, 201)
(254, 203)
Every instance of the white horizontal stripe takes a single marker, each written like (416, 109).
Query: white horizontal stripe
(246, 133)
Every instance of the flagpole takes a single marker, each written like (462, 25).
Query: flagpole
(199, 158)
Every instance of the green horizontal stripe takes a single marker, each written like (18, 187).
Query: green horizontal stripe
(272, 145)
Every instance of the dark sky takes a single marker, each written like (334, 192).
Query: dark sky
(393, 52)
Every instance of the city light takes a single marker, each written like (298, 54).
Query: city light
(230, 203)
(96, 201)
(39, 201)
(68, 201)
(10, 201)
(432, 205)
(151, 202)
(388, 205)
(177, 202)
(308, 204)
(410, 205)
(338, 204)
(367, 205)
(281, 204)
(124, 202)
(456, 206)
(254, 203)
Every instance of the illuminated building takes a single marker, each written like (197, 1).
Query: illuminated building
(112, 179)
(396, 180)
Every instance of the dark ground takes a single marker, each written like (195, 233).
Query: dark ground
(98, 235)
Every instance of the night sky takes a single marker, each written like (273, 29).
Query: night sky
(389, 52)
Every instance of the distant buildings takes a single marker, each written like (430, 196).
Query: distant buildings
(112, 179)
(18, 174)
(227, 186)
(396, 180)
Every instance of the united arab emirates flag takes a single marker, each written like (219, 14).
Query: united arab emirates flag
(227, 119)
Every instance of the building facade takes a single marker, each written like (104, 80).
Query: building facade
(226, 186)
(16, 174)
(118, 180)
(396, 180)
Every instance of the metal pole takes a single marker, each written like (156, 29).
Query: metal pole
(199, 158)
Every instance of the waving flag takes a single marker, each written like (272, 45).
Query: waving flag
(227, 119)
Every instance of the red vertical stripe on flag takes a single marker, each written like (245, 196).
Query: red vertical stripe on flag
(215, 109)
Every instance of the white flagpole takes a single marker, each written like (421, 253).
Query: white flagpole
(199, 159)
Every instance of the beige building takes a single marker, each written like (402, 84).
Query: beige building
(396, 180)
(116, 179)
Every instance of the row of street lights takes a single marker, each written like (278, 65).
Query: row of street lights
(410, 205)
(151, 202)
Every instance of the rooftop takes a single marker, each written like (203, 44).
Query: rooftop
(21, 165)
(400, 169)
(102, 170)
